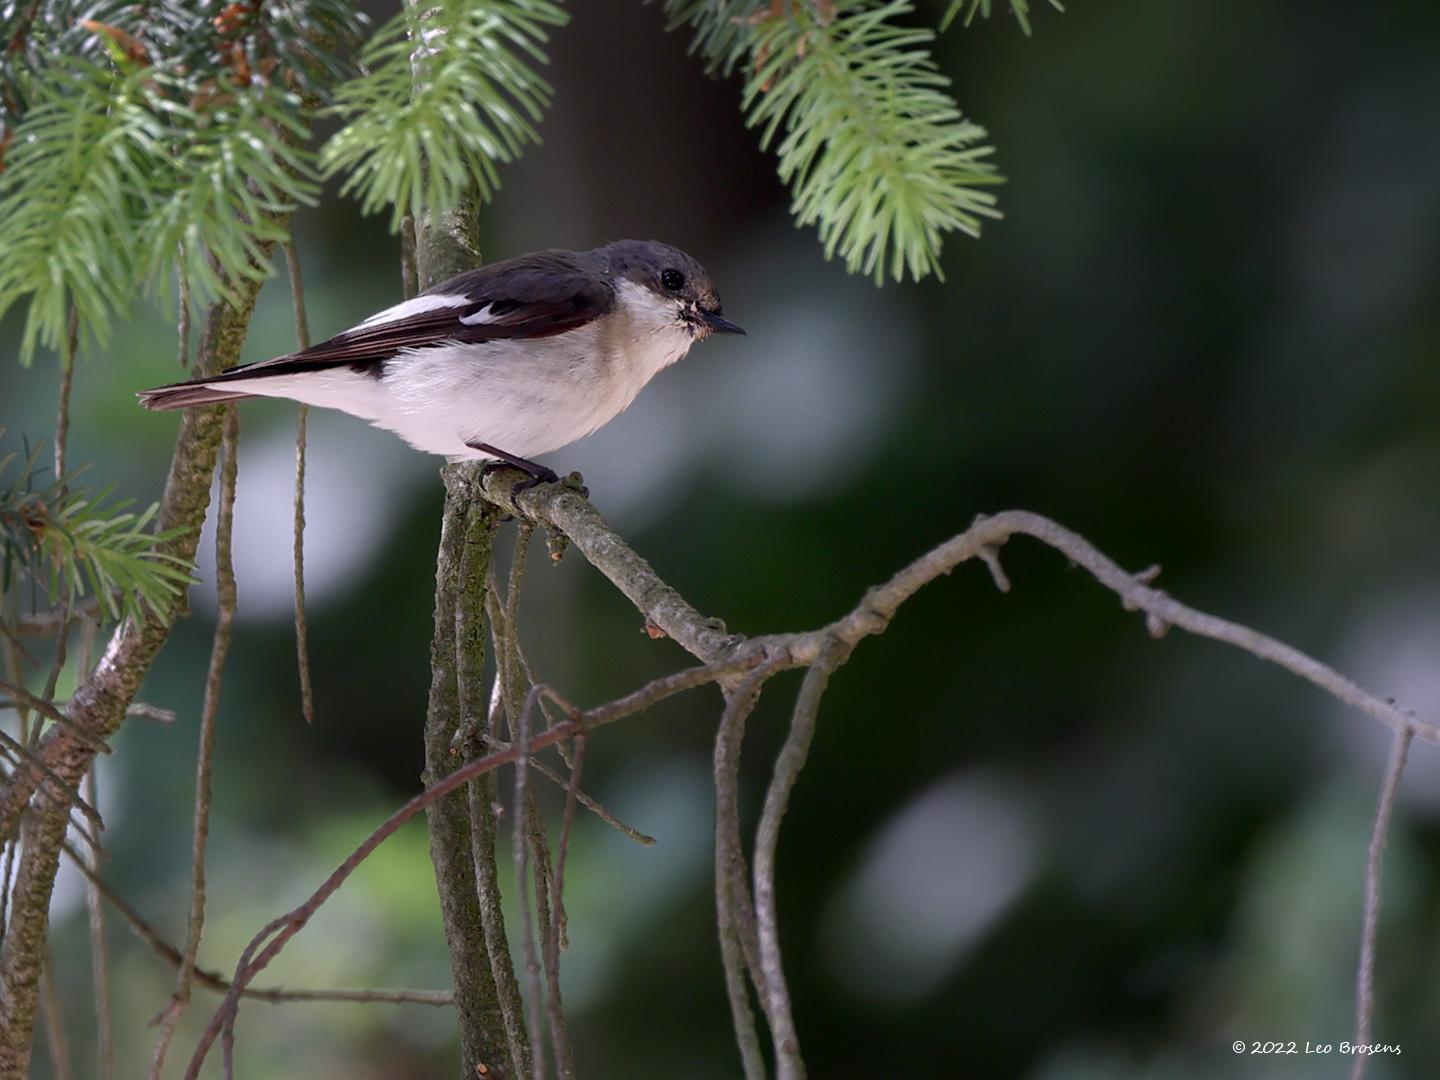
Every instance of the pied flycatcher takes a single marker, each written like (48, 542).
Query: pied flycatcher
(501, 363)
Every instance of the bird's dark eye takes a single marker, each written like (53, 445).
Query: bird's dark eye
(673, 280)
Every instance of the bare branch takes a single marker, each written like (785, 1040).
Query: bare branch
(205, 752)
(734, 912)
(212, 980)
(45, 623)
(99, 952)
(67, 381)
(54, 1018)
(522, 871)
(302, 340)
(564, 508)
(1370, 929)
(182, 323)
(457, 659)
(567, 822)
(47, 708)
(789, 762)
(595, 807)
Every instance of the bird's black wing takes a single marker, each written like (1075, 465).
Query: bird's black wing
(536, 295)
(549, 292)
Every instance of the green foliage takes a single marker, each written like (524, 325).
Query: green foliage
(239, 164)
(66, 198)
(424, 124)
(71, 541)
(137, 135)
(875, 150)
(1020, 9)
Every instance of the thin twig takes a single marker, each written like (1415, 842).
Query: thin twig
(47, 708)
(595, 807)
(789, 1065)
(7, 880)
(67, 379)
(54, 1018)
(1370, 928)
(734, 913)
(521, 725)
(62, 646)
(99, 961)
(212, 980)
(94, 905)
(409, 274)
(271, 940)
(482, 800)
(141, 710)
(302, 647)
(23, 754)
(567, 823)
(182, 325)
(45, 623)
(205, 753)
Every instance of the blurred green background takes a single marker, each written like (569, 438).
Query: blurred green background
(1031, 841)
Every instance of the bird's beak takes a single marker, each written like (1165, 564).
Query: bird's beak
(719, 325)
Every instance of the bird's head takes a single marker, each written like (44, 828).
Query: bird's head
(673, 281)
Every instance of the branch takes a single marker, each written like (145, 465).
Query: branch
(728, 659)
(211, 980)
(559, 507)
(302, 634)
(1370, 928)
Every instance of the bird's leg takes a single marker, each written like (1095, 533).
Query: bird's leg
(538, 474)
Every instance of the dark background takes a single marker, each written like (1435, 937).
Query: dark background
(1031, 841)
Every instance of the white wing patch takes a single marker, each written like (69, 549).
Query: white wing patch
(416, 305)
(480, 317)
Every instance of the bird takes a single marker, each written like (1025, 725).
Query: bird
(502, 363)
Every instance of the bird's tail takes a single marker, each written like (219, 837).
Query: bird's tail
(185, 395)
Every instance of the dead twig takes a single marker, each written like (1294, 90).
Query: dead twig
(1370, 926)
(302, 632)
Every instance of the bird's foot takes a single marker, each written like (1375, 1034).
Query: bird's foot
(539, 474)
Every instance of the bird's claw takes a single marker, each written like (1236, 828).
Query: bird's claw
(541, 475)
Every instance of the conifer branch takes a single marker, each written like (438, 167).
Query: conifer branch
(425, 126)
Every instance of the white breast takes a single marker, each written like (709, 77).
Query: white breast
(536, 395)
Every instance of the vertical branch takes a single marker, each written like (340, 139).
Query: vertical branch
(182, 327)
(99, 952)
(775, 996)
(461, 857)
(512, 676)
(734, 915)
(409, 276)
(302, 633)
(67, 379)
(54, 1019)
(559, 1036)
(204, 755)
(483, 793)
(1365, 975)
(520, 839)
(94, 899)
